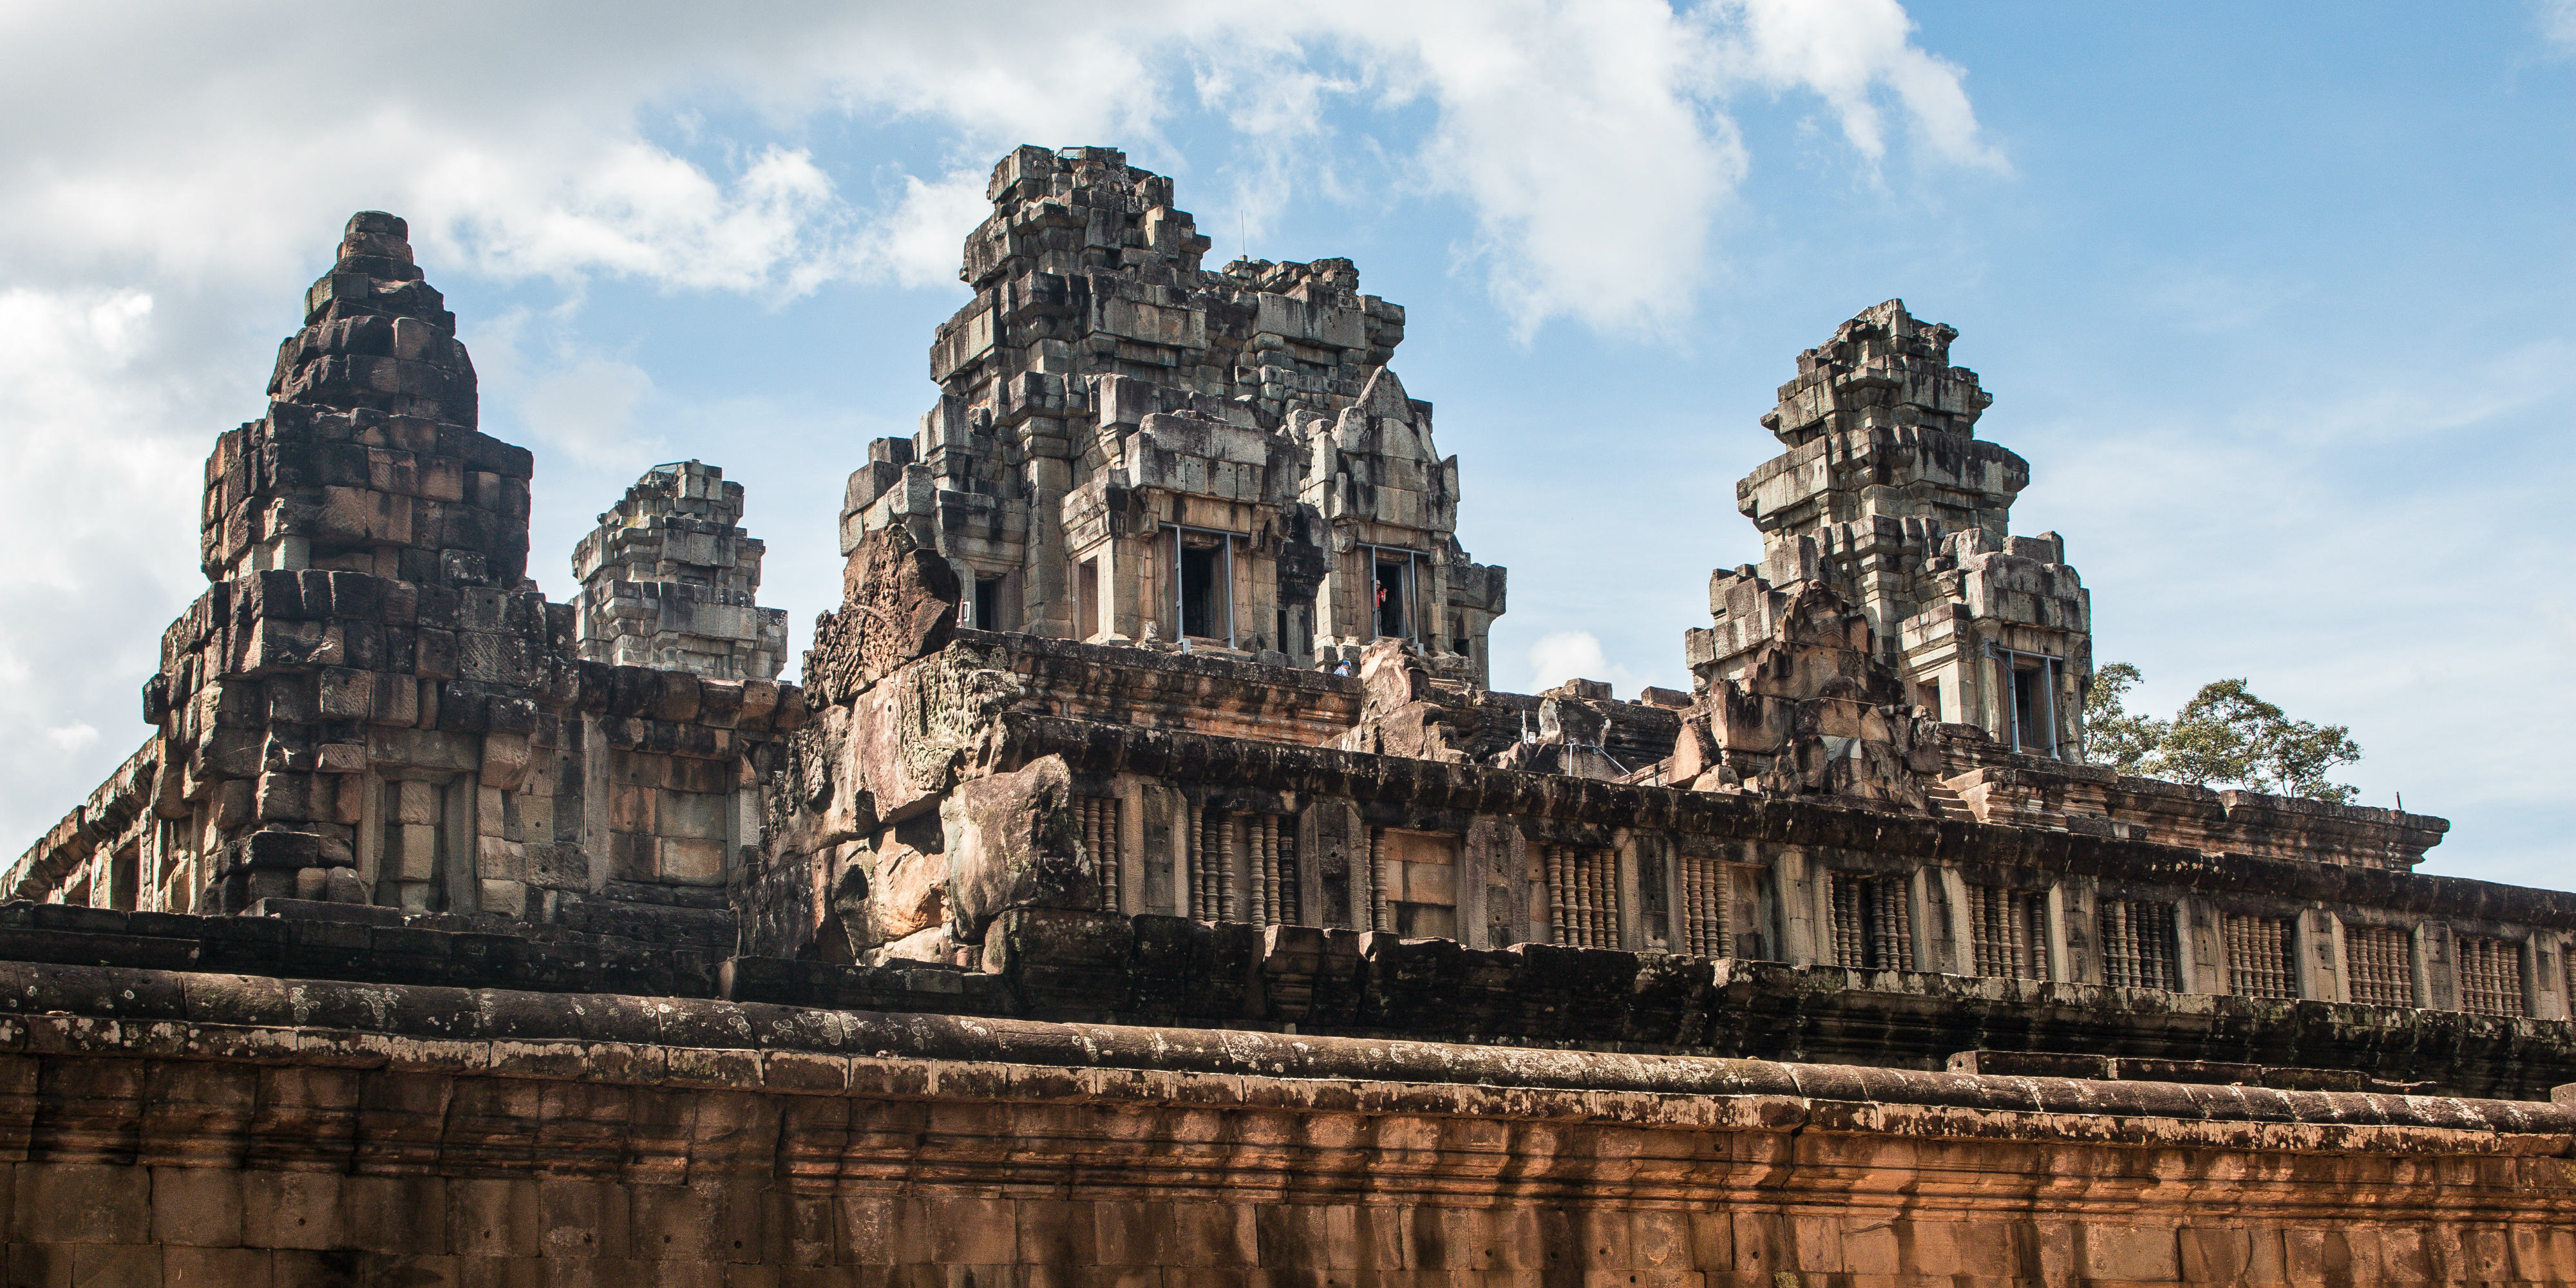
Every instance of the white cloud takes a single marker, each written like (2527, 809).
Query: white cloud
(103, 530)
(1588, 139)
(1847, 51)
(2557, 19)
(1560, 656)
(916, 243)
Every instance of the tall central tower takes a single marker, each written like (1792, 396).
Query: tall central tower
(1129, 447)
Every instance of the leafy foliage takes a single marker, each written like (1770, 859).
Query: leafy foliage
(2114, 736)
(2224, 736)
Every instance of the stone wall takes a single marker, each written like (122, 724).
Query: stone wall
(179, 1129)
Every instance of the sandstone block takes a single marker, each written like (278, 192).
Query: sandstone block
(286, 797)
(505, 759)
(416, 852)
(499, 859)
(508, 898)
(688, 862)
(416, 802)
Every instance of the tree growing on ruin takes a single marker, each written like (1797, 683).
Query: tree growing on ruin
(2224, 737)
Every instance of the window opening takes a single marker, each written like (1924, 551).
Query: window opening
(2030, 700)
(1390, 599)
(125, 878)
(1927, 695)
(1203, 582)
(1086, 590)
(988, 603)
(1198, 591)
(2261, 959)
(1873, 922)
(2138, 945)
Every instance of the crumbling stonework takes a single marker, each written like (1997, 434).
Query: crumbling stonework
(1144, 806)
(372, 705)
(1888, 498)
(1131, 448)
(668, 580)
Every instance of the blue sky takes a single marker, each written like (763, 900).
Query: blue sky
(2272, 297)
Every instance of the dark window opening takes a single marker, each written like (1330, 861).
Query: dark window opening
(1425, 921)
(1282, 636)
(1390, 600)
(1198, 591)
(125, 879)
(1086, 610)
(1927, 695)
(1465, 647)
(2031, 711)
(988, 603)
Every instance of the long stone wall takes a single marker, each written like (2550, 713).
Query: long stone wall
(176, 1128)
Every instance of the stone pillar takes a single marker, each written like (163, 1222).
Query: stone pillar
(2318, 951)
(1958, 954)
(1805, 909)
(2437, 981)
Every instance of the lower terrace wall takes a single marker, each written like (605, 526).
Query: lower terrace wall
(258, 1133)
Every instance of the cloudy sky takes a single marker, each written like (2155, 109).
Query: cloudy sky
(2273, 297)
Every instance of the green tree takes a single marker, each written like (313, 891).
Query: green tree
(2112, 735)
(2225, 736)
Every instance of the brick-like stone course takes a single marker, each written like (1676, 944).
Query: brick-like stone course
(162, 1127)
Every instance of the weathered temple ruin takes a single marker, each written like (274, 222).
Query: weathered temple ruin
(668, 580)
(1141, 882)
(1129, 447)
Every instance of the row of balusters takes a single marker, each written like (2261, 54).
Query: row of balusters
(1225, 842)
(2138, 945)
(2008, 932)
(1099, 816)
(2490, 976)
(1707, 898)
(2380, 961)
(1582, 896)
(1872, 917)
(2260, 957)
(1873, 922)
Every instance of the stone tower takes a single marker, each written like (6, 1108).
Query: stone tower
(670, 580)
(1887, 498)
(1129, 447)
(370, 658)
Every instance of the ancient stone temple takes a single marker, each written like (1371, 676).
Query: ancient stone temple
(1141, 883)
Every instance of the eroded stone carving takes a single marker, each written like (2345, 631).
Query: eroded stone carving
(899, 602)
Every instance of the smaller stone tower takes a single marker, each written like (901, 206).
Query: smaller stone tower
(1887, 498)
(669, 580)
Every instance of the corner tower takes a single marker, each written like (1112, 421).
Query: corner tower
(1888, 498)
